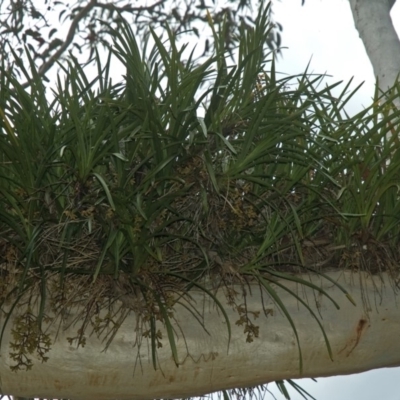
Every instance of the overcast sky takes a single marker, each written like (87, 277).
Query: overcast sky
(322, 33)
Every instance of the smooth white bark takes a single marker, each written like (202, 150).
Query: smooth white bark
(362, 337)
(374, 24)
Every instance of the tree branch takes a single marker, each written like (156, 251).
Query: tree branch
(128, 8)
(71, 34)
(74, 25)
(361, 337)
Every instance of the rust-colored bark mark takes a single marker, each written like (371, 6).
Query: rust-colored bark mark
(353, 342)
(100, 379)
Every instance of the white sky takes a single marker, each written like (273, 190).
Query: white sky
(323, 31)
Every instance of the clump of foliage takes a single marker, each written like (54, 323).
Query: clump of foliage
(124, 194)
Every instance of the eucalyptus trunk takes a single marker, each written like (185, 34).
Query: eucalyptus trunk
(374, 24)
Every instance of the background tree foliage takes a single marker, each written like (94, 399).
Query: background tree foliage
(36, 24)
